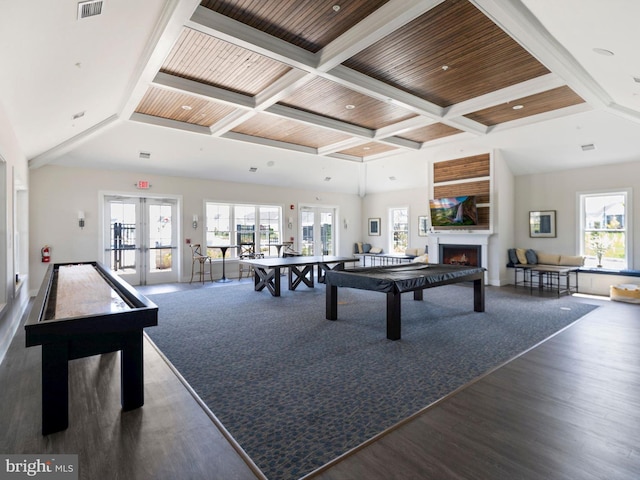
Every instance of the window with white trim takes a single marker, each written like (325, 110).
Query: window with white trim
(229, 224)
(399, 230)
(605, 219)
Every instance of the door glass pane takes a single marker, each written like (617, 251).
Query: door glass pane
(245, 226)
(307, 221)
(160, 237)
(269, 228)
(123, 236)
(326, 232)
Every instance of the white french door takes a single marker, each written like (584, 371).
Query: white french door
(317, 230)
(140, 238)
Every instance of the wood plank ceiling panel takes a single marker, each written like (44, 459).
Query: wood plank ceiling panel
(290, 131)
(308, 24)
(430, 132)
(206, 59)
(368, 149)
(448, 55)
(332, 100)
(178, 106)
(540, 103)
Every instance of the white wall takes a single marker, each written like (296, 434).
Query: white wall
(58, 193)
(559, 191)
(14, 297)
(377, 205)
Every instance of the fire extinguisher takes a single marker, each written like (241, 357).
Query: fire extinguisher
(46, 254)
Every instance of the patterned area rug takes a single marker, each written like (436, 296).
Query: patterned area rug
(296, 390)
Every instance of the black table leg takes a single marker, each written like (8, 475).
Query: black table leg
(478, 295)
(300, 276)
(55, 387)
(131, 371)
(331, 312)
(270, 279)
(393, 315)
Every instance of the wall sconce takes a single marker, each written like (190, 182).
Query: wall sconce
(81, 219)
(195, 221)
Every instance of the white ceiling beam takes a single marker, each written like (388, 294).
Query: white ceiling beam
(66, 146)
(282, 88)
(384, 21)
(166, 122)
(269, 143)
(404, 126)
(542, 117)
(208, 92)
(231, 121)
(401, 142)
(165, 34)
(339, 146)
(505, 95)
(225, 28)
(517, 21)
(320, 121)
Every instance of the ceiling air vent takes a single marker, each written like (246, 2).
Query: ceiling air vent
(145, 155)
(90, 8)
(587, 147)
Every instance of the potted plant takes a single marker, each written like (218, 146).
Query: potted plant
(599, 245)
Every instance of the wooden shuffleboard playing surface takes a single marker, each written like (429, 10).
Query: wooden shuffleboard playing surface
(81, 290)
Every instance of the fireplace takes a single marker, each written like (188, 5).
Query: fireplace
(455, 254)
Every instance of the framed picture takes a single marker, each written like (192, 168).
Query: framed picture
(542, 224)
(423, 226)
(374, 226)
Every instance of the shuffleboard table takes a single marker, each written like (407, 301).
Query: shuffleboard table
(395, 280)
(82, 310)
(300, 270)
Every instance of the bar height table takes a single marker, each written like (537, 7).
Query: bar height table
(223, 249)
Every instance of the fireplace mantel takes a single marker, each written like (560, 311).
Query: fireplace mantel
(458, 238)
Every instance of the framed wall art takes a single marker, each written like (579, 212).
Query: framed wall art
(542, 223)
(374, 226)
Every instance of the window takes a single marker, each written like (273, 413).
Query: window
(399, 229)
(604, 236)
(234, 224)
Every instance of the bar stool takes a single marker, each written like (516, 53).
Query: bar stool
(198, 258)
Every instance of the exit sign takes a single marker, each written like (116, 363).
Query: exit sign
(143, 184)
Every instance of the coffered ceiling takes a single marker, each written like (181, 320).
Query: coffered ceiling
(356, 79)
(211, 87)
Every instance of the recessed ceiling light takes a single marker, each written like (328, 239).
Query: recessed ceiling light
(603, 51)
(518, 107)
(349, 107)
(186, 107)
(587, 147)
(336, 8)
(366, 148)
(253, 169)
(445, 67)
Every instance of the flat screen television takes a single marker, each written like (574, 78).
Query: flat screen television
(453, 211)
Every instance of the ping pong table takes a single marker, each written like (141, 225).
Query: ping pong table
(395, 280)
(267, 271)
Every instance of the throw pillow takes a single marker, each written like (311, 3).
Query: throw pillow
(532, 258)
(522, 256)
(375, 250)
(548, 258)
(424, 258)
(513, 258)
(360, 250)
(571, 261)
(366, 248)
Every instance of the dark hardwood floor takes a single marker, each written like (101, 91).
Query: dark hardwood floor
(567, 409)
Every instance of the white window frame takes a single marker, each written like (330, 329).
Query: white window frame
(232, 253)
(628, 225)
(392, 230)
